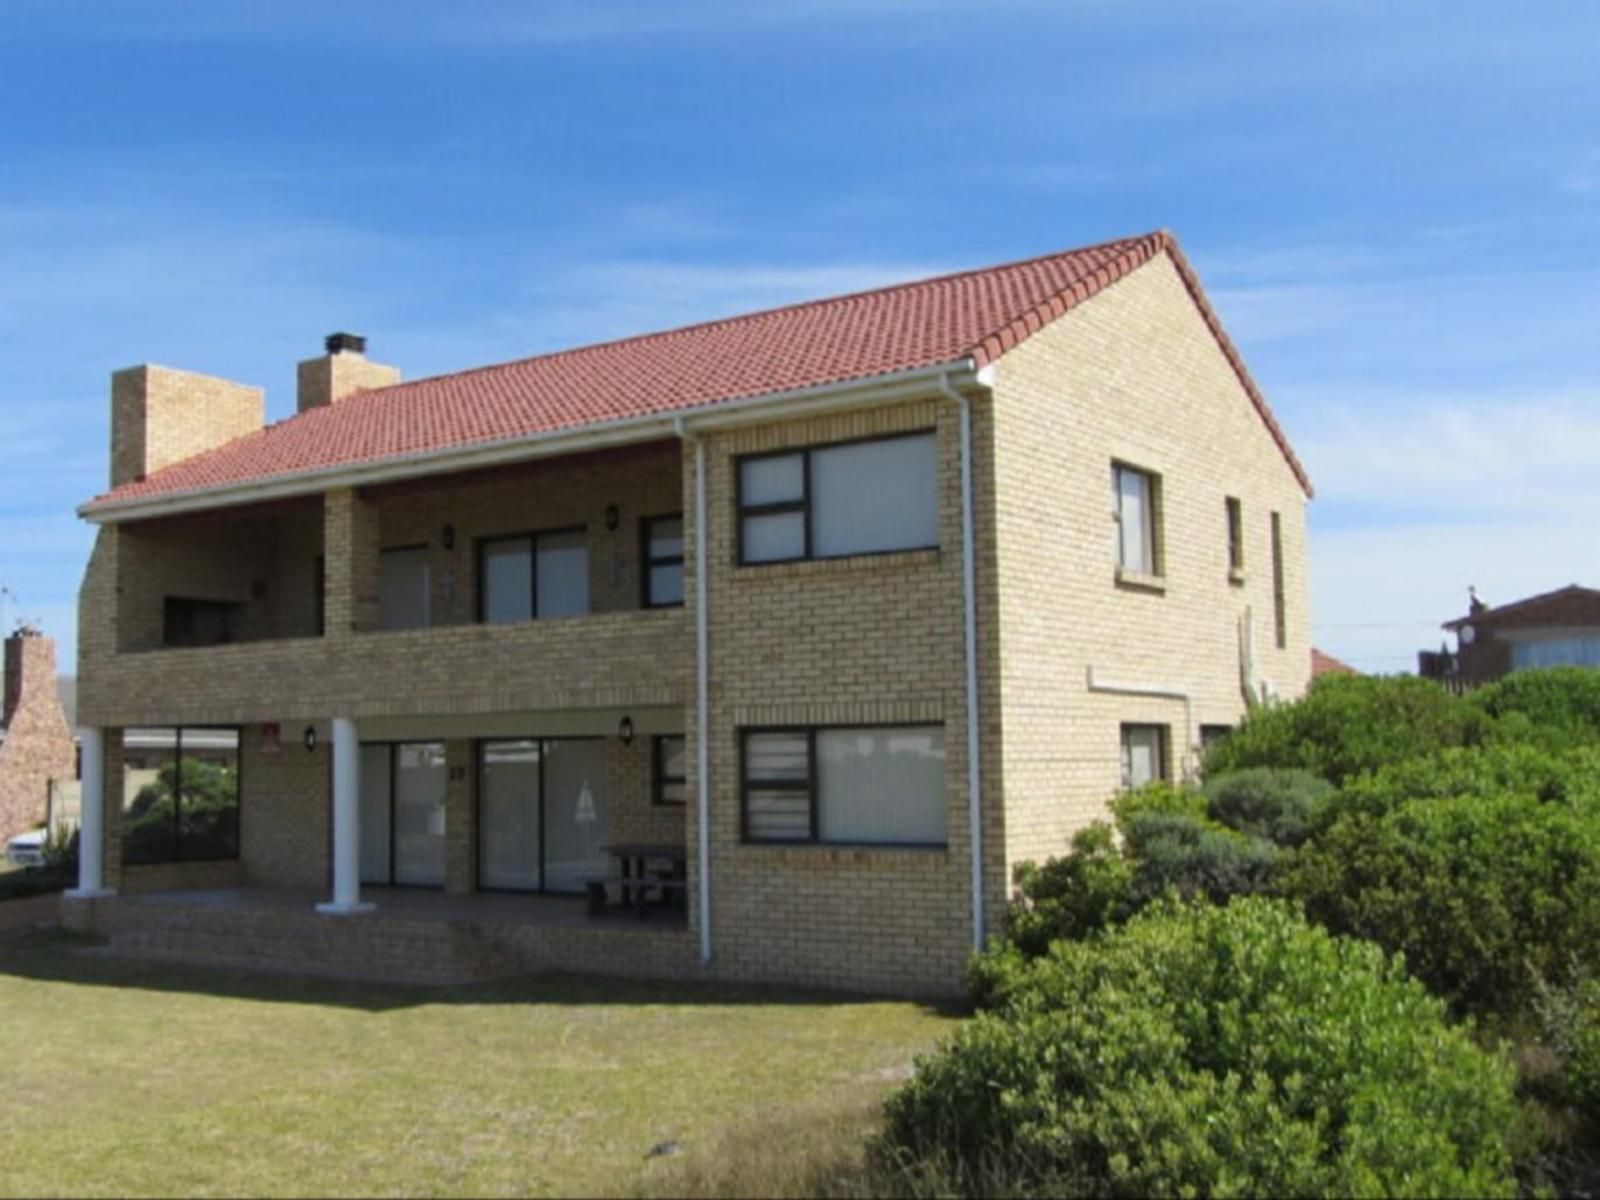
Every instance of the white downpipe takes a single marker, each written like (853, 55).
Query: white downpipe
(969, 599)
(346, 822)
(92, 819)
(702, 694)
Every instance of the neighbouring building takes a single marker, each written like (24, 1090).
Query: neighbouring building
(36, 749)
(1553, 629)
(1323, 663)
(827, 617)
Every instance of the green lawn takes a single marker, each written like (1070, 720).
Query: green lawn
(133, 1079)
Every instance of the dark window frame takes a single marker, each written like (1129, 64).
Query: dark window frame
(532, 537)
(319, 575)
(648, 561)
(427, 563)
(1235, 513)
(1212, 734)
(1280, 615)
(659, 778)
(809, 785)
(1155, 503)
(178, 856)
(478, 747)
(803, 505)
(172, 606)
(1163, 750)
(393, 746)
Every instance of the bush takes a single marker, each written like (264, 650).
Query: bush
(1071, 897)
(1208, 1051)
(1195, 858)
(1266, 802)
(1481, 893)
(1559, 704)
(1570, 1017)
(1347, 724)
(1159, 797)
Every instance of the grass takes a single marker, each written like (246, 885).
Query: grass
(133, 1079)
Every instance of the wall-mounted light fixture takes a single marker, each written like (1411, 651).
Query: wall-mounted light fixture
(612, 516)
(447, 537)
(625, 730)
(309, 737)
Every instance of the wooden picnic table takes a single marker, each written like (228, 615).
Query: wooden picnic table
(635, 883)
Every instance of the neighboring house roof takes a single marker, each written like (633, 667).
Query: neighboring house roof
(1327, 664)
(973, 315)
(1563, 597)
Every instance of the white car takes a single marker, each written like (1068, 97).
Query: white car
(27, 849)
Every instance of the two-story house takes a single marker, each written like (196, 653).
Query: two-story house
(826, 616)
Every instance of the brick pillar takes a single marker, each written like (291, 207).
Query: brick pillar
(350, 547)
(460, 819)
(115, 784)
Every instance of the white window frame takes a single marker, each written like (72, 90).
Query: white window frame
(1150, 540)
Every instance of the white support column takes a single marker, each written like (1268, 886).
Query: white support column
(92, 819)
(346, 822)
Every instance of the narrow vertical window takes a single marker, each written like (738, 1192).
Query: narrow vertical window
(1137, 496)
(663, 561)
(1235, 536)
(1144, 754)
(1279, 621)
(669, 769)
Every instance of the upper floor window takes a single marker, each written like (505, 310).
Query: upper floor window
(533, 575)
(1279, 616)
(862, 786)
(190, 622)
(1137, 495)
(1565, 649)
(867, 497)
(663, 561)
(1235, 511)
(403, 588)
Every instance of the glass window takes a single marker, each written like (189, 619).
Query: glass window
(881, 785)
(1136, 532)
(509, 827)
(1235, 512)
(1280, 620)
(866, 497)
(670, 769)
(403, 588)
(418, 815)
(533, 575)
(663, 561)
(847, 786)
(869, 497)
(1144, 754)
(1576, 650)
(180, 795)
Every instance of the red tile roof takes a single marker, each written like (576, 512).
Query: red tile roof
(977, 314)
(1327, 664)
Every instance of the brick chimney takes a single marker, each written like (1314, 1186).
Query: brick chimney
(160, 416)
(38, 744)
(342, 371)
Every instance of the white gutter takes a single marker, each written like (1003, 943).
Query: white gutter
(877, 389)
(969, 604)
(1157, 692)
(702, 693)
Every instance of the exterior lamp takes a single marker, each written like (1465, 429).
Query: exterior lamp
(310, 738)
(612, 516)
(625, 730)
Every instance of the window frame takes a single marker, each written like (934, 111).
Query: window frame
(804, 506)
(1280, 615)
(1154, 508)
(1163, 752)
(648, 561)
(532, 536)
(427, 585)
(1236, 559)
(659, 779)
(178, 856)
(809, 786)
(479, 746)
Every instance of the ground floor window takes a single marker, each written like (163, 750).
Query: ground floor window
(403, 813)
(543, 814)
(1213, 735)
(669, 768)
(180, 795)
(1144, 754)
(853, 786)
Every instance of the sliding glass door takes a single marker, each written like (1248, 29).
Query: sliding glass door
(542, 814)
(402, 814)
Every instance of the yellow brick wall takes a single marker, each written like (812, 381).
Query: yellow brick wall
(1132, 375)
(160, 416)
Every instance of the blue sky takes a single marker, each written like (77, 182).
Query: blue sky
(1395, 208)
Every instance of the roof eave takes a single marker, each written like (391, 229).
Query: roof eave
(845, 394)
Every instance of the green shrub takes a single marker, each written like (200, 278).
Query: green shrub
(1480, 893)
(1267, 802)
(1071, 897)
(1158, 797)
(1347, 724)
(1559, 704)
(1209, 1051)
(1195, 858)
(1570, 1017)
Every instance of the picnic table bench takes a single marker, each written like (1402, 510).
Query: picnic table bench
(637, 882)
